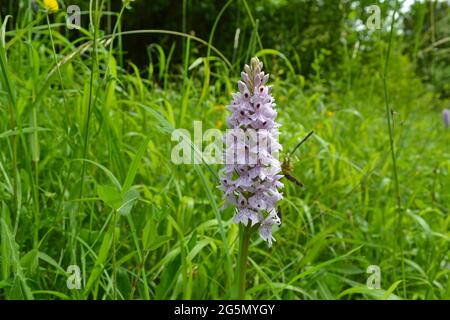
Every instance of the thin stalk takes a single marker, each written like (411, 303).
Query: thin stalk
(15, 120)
(114, 257)
(174, 33)
(244, 235)
(207, 69)
(255, 28)
(55, 57)
(12, 117)
(88, 119)
(109, 19)
(183, 21)
(392, 146)
(112, 38)
(301, 142)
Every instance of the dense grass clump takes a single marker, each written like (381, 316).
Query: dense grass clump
(86, 177)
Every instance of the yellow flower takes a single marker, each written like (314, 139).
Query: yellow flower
(219, 107)
(329, 114)
(51, 5)
(319, 126)
(219, 124)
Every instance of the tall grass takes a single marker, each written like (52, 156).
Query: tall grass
(87, 179)
(389, 113)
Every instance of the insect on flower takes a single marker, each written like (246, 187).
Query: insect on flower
(288, 167)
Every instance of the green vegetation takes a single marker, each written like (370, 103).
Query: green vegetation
(86, 176)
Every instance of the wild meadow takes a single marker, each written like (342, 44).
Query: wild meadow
(92, 206)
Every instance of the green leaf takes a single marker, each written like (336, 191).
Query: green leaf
(388, 295)
(20, 283)
(129, 199)
(106, 171)
(373, 293)
(158, 242)
(110, 195)
(53, 293)
(123, 282)
(4, 248)
(323, 265)
(149, 233)
(134, 165)
(103, 254)
(5, 284)
(196, 63)
(43, 256)
(114, 199)
(30, 260)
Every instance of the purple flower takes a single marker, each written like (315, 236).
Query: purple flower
(251, 177)
(446, 117)
(265, 230)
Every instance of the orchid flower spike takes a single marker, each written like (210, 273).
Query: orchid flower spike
(251, 177)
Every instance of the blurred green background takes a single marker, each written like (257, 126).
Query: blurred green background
(306, 31)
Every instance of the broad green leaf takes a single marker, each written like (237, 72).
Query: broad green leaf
(110, 195)
(134, 165)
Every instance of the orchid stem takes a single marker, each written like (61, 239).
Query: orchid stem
(245, 233)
